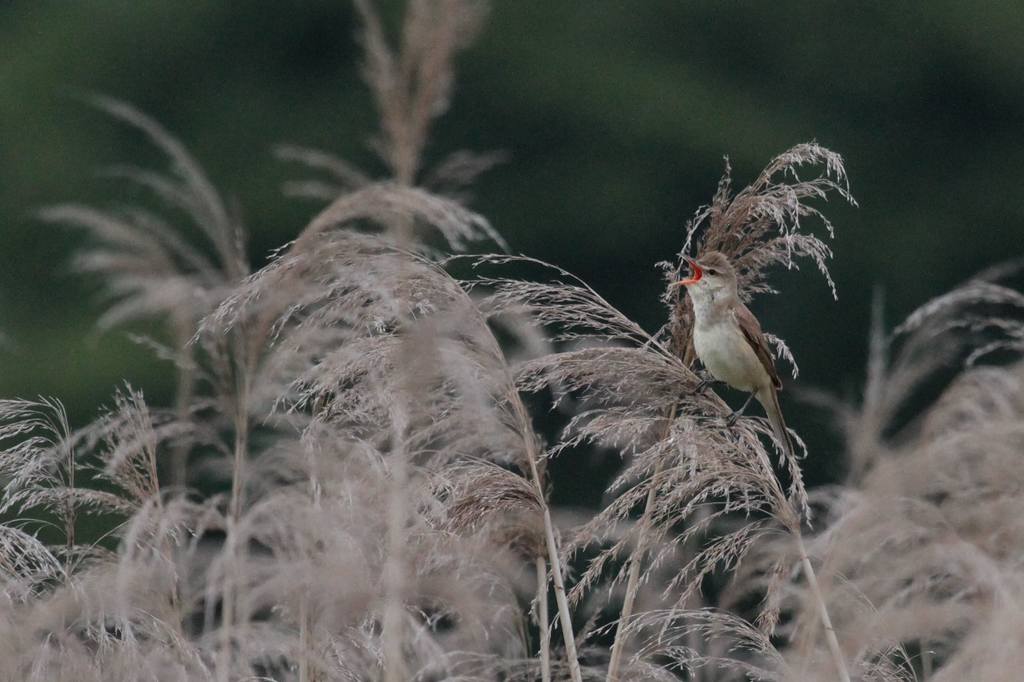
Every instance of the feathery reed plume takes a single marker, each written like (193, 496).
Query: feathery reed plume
(920, 532)
(106, 609)
(488, 499)
(369, 323)
(153, 269)
(411, 86)
(26, 565)
(154, 265)
(304, 326)
(760, 226)
(385, 509)
(491, 500)
(40, 462)
(690, 467)
(630, 387)
(329, 556)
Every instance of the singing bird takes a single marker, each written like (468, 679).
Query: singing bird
(729, 341)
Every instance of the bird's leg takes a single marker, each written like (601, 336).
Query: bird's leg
(705, 380)
(730, 421)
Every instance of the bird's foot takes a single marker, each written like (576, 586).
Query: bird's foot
(705, 381)
(730, 421)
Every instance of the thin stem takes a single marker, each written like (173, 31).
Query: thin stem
(241, 425)
(926, 661)
(70, 514)
(696, 601)
(826, 621)
(241, 447)
(564, 614)
(182, 400)
(304, 671)
(308, 671)
(166, 547)
(227, 606)
(394, 574)
(791, 519)
(542, 619)
(635, 562)
(632, 584)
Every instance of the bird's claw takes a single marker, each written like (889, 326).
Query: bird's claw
(730, 421)
(705, 381)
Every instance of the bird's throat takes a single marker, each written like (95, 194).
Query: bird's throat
(709, 306)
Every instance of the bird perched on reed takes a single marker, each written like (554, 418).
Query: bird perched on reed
(729, 342)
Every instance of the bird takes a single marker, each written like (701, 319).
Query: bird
(728, 340)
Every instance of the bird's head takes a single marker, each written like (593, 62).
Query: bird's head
(711, 277)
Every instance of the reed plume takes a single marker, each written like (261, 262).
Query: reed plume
(350, 484)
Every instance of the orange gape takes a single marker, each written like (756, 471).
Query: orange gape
(695, 276)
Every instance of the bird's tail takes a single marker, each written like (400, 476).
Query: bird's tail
(769, 399)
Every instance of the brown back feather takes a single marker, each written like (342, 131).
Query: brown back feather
(751, 329)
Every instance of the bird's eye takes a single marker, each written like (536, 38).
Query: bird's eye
(712, 272)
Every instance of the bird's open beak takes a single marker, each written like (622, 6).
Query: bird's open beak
(694, 276)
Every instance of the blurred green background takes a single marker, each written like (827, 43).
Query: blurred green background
(616, 116)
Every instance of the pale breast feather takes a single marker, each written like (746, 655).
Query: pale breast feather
(728, 356)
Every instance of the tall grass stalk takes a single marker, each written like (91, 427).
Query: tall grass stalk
(635, 560)
(543, 626)
(394, 564)
(238, 464)
(564, 612)
(819, 599)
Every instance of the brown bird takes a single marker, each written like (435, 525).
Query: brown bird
(729, 342)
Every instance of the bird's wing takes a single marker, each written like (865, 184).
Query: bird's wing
(751, 329)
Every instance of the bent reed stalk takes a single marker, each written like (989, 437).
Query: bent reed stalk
(636, 559)
(564, 613)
